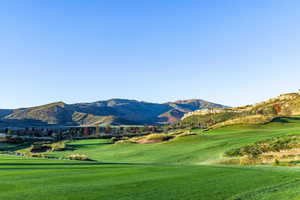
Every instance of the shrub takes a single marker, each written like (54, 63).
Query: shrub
(37, 155)
(271, 145)
(233, 152)
(39, 148)
(276, 163)
(81, 157)
(156, 136)
(58, 146)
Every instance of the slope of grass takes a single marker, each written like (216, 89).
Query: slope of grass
(283, 105)
(168, 170)
(204, 148)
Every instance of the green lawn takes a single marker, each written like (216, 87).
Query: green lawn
(185, 168)
(205, 148)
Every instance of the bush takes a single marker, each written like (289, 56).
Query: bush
(58, 146)
(81, 157)
(271, 145)
(37, 155)
(276, 163)
(39, 148)
(156, 136)
(233, 152)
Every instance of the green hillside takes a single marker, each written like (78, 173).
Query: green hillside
(183, 168)
(204, 148)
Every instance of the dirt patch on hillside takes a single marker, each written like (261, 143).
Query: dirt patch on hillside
(154, 138)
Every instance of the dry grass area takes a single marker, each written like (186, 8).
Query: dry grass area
(283, 156)
(252, 119)
(157, 137)
(154, 138)
(282, 153)
(277, 151)
(81, 157)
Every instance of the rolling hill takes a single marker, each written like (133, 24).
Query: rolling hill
(113, 111)
(283, 105)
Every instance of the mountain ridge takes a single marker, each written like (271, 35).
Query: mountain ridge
(114, 111)
(284, 105)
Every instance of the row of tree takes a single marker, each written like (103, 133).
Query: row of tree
(78, 132)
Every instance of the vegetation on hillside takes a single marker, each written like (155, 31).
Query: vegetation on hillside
(284, 105)
(284, 150)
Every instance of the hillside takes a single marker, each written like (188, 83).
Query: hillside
(283, 105)
(114, 111)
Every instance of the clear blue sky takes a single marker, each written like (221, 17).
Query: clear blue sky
(232, 52)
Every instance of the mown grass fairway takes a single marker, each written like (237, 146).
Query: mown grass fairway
(185, 168)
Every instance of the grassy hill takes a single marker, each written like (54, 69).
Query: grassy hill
(114, 111)
(184, 168)
(283, 105)
(206, 147)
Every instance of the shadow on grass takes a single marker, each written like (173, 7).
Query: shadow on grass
(78, 146)
(56, 168)
(68, 166)
(71, 164)
(285, 119)
(9, 147)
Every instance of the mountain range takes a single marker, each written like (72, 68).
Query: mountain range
(113, 112)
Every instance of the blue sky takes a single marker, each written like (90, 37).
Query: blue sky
(233, 52)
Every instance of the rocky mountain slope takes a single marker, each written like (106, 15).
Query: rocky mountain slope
(114, 111)
(284, 105)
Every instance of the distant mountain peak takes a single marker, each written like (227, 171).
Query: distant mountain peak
(112, 111)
